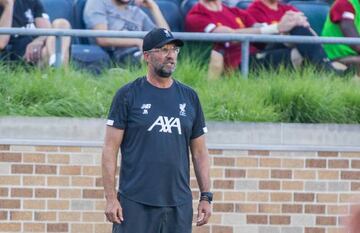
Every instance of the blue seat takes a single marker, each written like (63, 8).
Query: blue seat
(59, 9)
(243, 4)
(315, 11)
(78, 10)
(186, 6)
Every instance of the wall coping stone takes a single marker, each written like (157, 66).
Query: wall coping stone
(222, 135)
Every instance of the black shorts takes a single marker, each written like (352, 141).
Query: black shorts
(126, 56)
(16, 50)
(272, 58)
(140, 218)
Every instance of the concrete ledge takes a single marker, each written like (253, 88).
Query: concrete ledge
(225, 135)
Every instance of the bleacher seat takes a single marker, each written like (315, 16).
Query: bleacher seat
(59, 9)
(315, 11)
(186, 5)
(171, 13)
(244, 4)
(78, 10)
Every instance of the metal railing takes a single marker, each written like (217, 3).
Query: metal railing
(245, 39)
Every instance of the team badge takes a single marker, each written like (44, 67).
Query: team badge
(182, 109)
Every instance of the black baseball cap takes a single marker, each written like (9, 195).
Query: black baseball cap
(159, 37)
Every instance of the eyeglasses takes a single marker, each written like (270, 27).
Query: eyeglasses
(165, 51)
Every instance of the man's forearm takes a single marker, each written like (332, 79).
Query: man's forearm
(119, 42)
(348, 28)
(202, 172)
(6, 21)
(159, 18)
(109, 163)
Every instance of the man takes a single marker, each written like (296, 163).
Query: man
(35, 50)
(155, 120)
(120, 15)
(343, 21)
(213, 16)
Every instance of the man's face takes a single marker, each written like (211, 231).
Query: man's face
(163, 60)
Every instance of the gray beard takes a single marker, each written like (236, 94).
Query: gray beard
(162, 73)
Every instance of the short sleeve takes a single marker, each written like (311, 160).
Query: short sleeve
(341, 9)
(39, 11)
(119, 110)
(199, 127)
(94, 13)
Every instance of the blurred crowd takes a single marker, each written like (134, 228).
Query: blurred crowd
(263, 17)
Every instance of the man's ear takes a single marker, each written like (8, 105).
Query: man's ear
(146, 56)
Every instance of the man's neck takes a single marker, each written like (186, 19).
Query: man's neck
(212, 5)
(272, 4)
(159, 82)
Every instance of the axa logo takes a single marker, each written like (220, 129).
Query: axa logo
(166, 124)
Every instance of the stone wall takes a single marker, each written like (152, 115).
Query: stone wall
(55, 185)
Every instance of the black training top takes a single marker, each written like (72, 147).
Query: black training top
(24, 14)
(158, 125)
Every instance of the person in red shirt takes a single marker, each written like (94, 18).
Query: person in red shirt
(342, 21)
(213, 16)
(270, 12)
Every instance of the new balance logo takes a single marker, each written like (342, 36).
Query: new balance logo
(166, 124)
(145, 108)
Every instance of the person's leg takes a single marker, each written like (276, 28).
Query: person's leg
(49, 51)
(315, 53)
(178, 219)
(138, 218)
(216, 65)
(272, 59)
(351, 61)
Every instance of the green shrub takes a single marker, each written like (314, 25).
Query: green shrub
(281, 95)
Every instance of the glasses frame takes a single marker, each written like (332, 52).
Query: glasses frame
(165, 51)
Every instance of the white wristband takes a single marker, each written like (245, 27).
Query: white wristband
(269, 29)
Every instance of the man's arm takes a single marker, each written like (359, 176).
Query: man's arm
(34, 48)
(348, 28)
(6, 20)
(116, 42)
(113, 139)
(155, 11)
(200, 159)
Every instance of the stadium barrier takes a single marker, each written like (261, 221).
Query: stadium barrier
(245, 39)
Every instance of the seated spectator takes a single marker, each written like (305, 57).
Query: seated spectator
(342, 21)
(34, 50)
(120, 15)
(213, 16)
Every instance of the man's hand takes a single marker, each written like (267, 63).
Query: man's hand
(150, 4)
(33, 51)
(292, 19)
(204, 213)
(113, 211)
